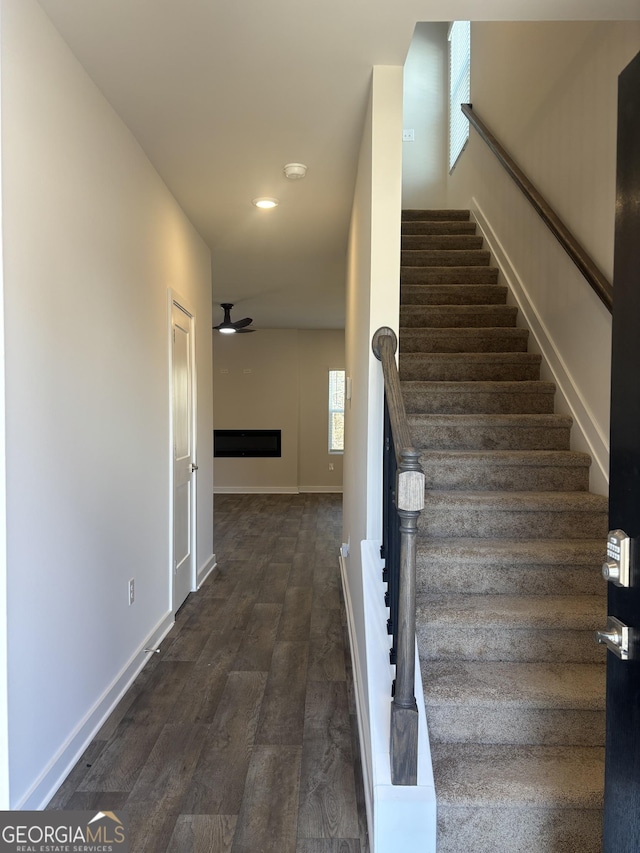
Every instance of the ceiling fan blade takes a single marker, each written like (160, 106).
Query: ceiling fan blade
(240, 324)
(244, 331)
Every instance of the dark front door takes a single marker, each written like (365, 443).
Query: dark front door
(622, 776)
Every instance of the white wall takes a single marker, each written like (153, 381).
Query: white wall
(548, 91)
(425, 111)
(93, 241)
(278, 379)
(372, 301)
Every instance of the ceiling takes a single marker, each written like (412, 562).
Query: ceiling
(221, 94)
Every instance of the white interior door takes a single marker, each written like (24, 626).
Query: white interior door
(183, 418)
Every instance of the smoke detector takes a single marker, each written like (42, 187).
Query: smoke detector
(295, 171)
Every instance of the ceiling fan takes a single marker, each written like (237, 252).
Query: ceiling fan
(227, 327)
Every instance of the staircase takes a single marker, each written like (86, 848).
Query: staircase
(511, 541)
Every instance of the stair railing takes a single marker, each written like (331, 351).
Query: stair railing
(403, 499)
(578, 254)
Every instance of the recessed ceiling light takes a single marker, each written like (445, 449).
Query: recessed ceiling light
(265, 203)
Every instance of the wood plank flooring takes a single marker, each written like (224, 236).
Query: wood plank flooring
(241, 735)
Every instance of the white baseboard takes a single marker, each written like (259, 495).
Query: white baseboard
(65, 759)
(255, 490)
(205, 570)
(399, 817)
(593, 439)
(320, 490)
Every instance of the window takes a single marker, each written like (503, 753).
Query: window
(336, 411)
(459, 87)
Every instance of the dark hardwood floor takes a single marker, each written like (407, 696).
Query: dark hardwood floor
(240, 736)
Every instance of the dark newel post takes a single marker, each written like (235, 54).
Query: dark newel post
(404, 710)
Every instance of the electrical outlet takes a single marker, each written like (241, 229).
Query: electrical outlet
(408, 136)
(132, 591)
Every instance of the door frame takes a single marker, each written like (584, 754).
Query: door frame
(176, 298)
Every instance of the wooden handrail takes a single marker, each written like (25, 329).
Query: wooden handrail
(409, 501)
(578, 254)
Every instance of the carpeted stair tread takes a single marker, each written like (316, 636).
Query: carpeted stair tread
(510, 566)
(528, 628)
(515, 702)
(512, 685)
(509, 514)
(491, 642)
(436, 215)
(444, 258)
(524, 397)
(521, 501)
(500, 339)
(453, 294)
(453, 316)
(516, 470)
(490, 432)
(485, 366)
(515, 612)
(519, 552)
(574, 458)
(433, 226)
(448, 274)
(518, 830)
(441, 241)
(495, 776)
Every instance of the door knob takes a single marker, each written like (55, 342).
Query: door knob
(615, 637)
(194, 467)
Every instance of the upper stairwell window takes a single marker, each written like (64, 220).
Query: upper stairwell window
(459, 87)
(336, 411)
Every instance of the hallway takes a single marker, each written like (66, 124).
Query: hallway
(241, 734)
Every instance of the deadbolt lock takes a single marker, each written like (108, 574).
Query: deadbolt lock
(617, 567)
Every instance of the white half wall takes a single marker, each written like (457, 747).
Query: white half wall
(373, 285)
(93, 243)
(400, 817)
